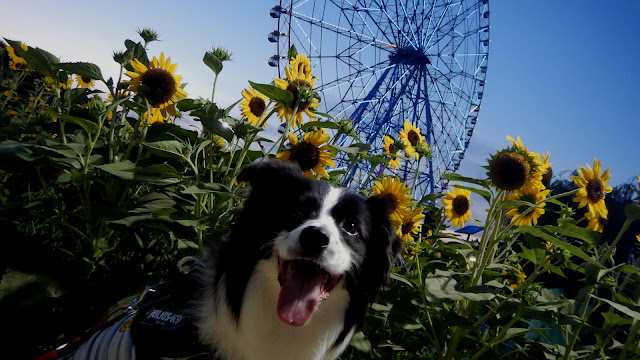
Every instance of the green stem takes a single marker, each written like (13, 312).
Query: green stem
(215, 81)
(487, 236)
(415, 175)
(13, 88)
(611, 248)
(285, 135)
(498, 338)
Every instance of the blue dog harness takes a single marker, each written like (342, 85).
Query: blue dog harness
(157, 326)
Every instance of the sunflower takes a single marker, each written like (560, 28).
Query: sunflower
(390, 148)
(410, 225)
(638, 236)
(84, 82)
(301, 63)
(540, 167)
(299, 76)
(49, 83)
(546, 177)
(592, 189)
(396, 192)
(164, 87)
(410, 251)
(66, 84)
(411, 137)
(154, 116)
(457, 206)
(530, 193)
(520, 278)
(254, 106)
(16, 61)
(596, 223)
(219, 141)
(309, 153)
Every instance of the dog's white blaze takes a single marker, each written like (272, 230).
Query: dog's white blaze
(337, 257)
(261, 335)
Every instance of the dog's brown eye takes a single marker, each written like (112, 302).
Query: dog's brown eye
(350, 227)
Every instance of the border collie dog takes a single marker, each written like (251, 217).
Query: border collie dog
(297, 273)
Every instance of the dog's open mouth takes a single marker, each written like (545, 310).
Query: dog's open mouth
(303, 284)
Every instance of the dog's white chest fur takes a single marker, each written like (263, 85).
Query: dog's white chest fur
(261, 335)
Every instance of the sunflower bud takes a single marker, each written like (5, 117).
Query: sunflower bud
(222, 54)
(120, 57)
(306, 94)
(346, 126)
(424, 150)
(148, 35)
(509, 169)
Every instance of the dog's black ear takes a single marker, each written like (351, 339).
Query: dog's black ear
(272, 175)
(385, 242)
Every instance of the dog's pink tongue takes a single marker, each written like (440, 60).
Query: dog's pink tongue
(299, 296)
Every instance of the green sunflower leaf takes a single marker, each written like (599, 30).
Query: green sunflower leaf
(457, 177)
(627, 309)
(190, 104)
(484, 193)
(159, 174)
(84, 69)
(324, 115)
(360, 342)
(353, 149)
(632, 211)
(375, 160)
(441, 286)
(213, 62)
(166, 148)
(274, 93)
(320, 124)
(207, 188)
(135, 51)
(292, 53)
(88, 126)
(37, 59)
(547, 236)
(592, 237)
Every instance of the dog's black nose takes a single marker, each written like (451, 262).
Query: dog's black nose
(313, 240)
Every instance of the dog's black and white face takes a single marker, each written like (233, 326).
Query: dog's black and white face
(299, 270)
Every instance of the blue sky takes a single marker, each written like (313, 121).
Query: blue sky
(563, 75)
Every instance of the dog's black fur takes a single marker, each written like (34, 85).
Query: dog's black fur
(281, 200)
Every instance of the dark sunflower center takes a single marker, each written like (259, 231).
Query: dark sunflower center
(407, 227)
(460, 205)
(392, 149)
(509, 171)
(293, 87)
(595, 190)
(302, 68)
(546, 178)
(306, 155)
(85, 80)
(413, 138)
(257, 106)
(162, 85)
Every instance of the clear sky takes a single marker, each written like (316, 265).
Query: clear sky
(563, 75)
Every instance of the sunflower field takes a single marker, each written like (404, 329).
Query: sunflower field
(102, 191)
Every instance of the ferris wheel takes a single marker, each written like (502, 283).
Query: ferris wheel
(383, 62)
